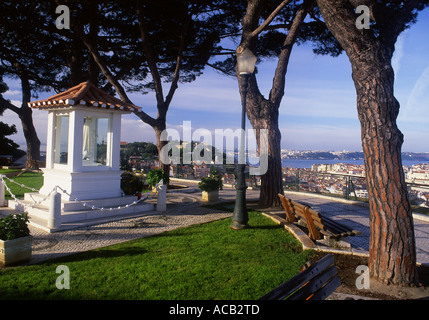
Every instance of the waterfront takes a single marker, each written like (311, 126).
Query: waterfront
(307, 163)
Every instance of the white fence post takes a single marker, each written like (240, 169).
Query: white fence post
(161, 204)
(54, 218)
(2, 192)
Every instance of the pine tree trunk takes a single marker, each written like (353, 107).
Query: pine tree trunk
(392, 258)
(33, 142)
(392, 241)
(271, 181)
(263, 114)
(26, 115)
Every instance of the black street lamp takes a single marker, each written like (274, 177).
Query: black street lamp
(246, 65)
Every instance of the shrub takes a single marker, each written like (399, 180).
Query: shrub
(211, 183)
(131, 183)
(14, 226)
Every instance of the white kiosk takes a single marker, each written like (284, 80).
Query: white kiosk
(83, 154)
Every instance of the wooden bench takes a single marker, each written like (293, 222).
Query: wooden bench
(316, 282)
(316, 223)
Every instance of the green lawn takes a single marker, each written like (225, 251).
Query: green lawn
(208, 261)
(3, 171)
(29, 179)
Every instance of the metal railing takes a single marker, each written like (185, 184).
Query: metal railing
(348, 186)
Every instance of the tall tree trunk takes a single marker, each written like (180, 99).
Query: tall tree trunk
(271, 181)
(30, 134)
(93, 69)
(76, 62)
(392, 243)
(25, 114)
(263, 114)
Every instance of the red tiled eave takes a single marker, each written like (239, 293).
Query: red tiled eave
(86, 94)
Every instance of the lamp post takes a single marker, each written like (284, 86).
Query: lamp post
(246, 65)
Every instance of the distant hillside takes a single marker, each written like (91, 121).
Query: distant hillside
(326, 155)
(415, 156)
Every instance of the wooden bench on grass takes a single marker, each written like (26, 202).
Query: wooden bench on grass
(316, 223)
(316, 282)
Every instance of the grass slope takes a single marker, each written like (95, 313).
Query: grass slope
(208, 261)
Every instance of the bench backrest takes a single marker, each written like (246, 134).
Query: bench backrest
(316, 282)
(316, 222)
(296, 210)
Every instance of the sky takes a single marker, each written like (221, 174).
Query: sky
(317, 112)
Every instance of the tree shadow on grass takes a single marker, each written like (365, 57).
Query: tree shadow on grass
(265, 227)
(103, 253)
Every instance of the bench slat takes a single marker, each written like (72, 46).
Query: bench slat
(327, 290)
(315, 284)
(328, 234)
(303, 211)
(335, 229)
(340, 230)
(290, 216)
(313, 231)
(319, 224)
(336, 224)
(348, 229)
(296, 282)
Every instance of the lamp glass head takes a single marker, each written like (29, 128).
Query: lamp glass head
(246, 62)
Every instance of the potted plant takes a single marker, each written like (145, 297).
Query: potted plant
(154, 176)
(15, 239)
(210, 187)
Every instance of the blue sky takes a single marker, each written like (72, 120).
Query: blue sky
(318, 111)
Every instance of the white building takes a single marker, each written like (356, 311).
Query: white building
(82, 158)
(82, 152)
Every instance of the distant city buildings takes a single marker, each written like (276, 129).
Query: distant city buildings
(418, 174)
(349, 180)
(340, 179)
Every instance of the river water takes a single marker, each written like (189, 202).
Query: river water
(294, 163)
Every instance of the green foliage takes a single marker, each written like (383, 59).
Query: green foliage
(26, 25)
(7, 146)
(14, 226)
(131, 183)
(145, 150)
(211, 183)
(154, 176)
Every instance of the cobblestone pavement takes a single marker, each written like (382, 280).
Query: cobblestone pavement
(185, 209)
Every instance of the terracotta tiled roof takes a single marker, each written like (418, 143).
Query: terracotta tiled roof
(87, 94)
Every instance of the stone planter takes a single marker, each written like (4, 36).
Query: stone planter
(15, 251)
(210, 196)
